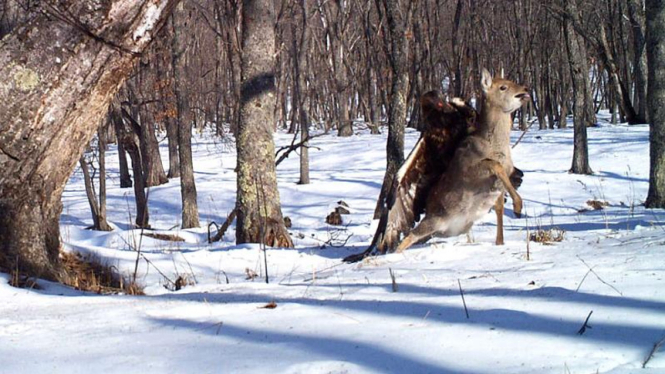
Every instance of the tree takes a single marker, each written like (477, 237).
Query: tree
(181, 20)
(399, 22)
(97, 207)
(579, 71)
(259, 212)
(62, 67)
(655, 10)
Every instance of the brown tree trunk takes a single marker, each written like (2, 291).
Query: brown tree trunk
(125, 177)
(102, 134)
(97, 207)
(259, 211)
(300, 89)
(398, 24)
(579, 71)
(637, 22)
(128, 138)
(181, 21)
(54, 94)
(655, 10)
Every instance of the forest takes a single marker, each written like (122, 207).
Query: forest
(220, 158)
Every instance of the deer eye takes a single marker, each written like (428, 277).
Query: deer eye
(503, 88)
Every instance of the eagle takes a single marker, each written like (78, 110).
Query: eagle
(447, 126)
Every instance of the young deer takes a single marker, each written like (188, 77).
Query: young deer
(478, 175)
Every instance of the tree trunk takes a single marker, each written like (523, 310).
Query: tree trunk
(174, 156)
(579, 71)
(129, 140)
(102, 134)
(300, 89)
(180, 21)
(655, 10)
(58, 82)
(97, 208)
(259, 211)
(125, 177)
(637, 22)
(398, 24)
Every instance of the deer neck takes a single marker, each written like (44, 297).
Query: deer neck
(495, 126)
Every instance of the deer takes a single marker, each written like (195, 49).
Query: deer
(480, 172)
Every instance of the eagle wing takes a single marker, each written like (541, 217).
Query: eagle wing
(446, 125)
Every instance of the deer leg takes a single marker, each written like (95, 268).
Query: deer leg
(424, 230)
(497, 169)
(498, 208)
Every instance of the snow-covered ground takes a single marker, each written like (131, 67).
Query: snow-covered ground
(523, 314)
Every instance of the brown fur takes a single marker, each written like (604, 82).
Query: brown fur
(480, 171)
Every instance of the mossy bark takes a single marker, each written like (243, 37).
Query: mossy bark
(63, 77)
(259, 211)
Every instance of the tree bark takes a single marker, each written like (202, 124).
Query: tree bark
(181, 20)
(300, 90)
(128, 138)
(655, 10)
(97, 207)
(259, 212)
(637, 22)
(579, 71)
(59, 77)
(125, 177)
(102, 134)
(398, 24)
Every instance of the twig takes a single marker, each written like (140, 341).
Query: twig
(655, 349)
(466, 311)
(394, 282)
(263, 223)
(586, 325)
(138, 249)
(524, 133)
(209, 226)
(597, 276)
(288, 149)
(528, 235)
(582, 281)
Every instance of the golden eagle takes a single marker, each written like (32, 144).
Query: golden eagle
(447, 126)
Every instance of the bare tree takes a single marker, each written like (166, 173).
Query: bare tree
(181, 21)
(399, 23)
(579, 71)
(655, 11)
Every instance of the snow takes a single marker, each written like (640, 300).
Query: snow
(149, 19)
(523, 315)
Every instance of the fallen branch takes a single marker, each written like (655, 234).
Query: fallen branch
(656, 348)
(394, 282)
(524, 133)
(294, 146)
(225, 226)
(466, 311)
(586, 325)
(597, 276)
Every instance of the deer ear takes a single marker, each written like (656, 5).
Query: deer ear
(486, 80)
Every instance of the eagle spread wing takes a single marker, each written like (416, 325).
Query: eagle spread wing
(446, 125)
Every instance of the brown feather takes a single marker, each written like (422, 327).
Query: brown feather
(446, 125)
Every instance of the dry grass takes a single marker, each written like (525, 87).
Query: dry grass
(22, 281)
(90, 274)
(549, 236)
(597, 204)
(165, 237)
(334, 219)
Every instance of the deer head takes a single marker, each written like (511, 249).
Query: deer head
(503, 94)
